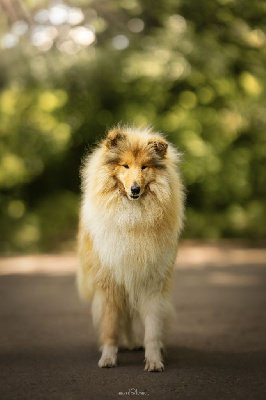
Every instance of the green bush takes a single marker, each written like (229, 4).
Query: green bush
(193, 70)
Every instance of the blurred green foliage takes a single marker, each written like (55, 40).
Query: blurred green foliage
(193, 70)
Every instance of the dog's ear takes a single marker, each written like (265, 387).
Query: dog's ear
(159, 145)
(114, 136)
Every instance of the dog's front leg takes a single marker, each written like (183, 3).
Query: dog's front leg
(154, 318)
(109, 332)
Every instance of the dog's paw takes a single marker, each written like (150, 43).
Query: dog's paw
(154, 366)
(109, 357)
(107, 362)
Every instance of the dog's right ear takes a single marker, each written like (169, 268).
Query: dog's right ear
(114, 137)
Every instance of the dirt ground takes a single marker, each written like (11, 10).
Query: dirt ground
(216, 348)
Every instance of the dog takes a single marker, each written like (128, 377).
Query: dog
(132, 213)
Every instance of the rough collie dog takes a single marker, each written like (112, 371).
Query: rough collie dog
(130, 220)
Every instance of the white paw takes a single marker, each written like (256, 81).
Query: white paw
(108, 358)
(154, 366)
(107, 362)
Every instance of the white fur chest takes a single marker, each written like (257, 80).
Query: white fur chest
(127, 243)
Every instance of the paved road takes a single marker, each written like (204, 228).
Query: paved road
(216, 350)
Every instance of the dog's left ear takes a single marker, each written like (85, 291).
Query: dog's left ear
(159, 145)
(114, 137)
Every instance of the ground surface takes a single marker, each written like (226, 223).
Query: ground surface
(216, 350)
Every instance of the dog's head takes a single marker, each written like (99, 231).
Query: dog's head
(134, 162)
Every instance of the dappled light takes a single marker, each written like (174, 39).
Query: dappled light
(232, 279)
(69, 70)
(54, 25)
(214, 260)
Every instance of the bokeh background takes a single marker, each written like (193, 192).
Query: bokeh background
(194, 70)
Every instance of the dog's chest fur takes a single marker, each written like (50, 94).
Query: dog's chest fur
(132, 243)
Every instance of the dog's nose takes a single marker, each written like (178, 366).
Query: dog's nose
(135, 189)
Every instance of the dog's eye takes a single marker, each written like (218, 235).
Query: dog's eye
(144, 167)
(125, 166)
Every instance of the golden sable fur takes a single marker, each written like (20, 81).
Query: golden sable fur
(130, 220)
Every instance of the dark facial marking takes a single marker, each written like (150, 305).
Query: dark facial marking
(156, 161)
(112, 159)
